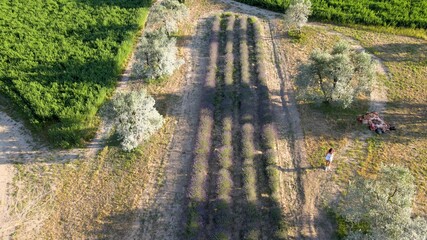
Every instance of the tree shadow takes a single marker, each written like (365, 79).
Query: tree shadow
(334, 121)
(402, 52)
(117, 226)
(183, 40)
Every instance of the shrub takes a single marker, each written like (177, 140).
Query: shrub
(385, 205)
(268, 134)
(225, 184)
(244, 52)
(339, 76)
(134, 117)
(156, 57)
(229, 58)
(249, 172)
(202, 152)
(296, 15)
(263, 92)
(168, 14)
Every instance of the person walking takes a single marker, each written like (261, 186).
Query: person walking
(328, 159)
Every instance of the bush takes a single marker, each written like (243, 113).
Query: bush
(229, 58)
(168, 14)
(296, 15)
(197, 189)
(156, 57)
(134, 117)
(202, 152)
(244, 52)
(384, 204)
(268, 134)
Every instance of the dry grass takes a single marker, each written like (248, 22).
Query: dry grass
(85, 196)
(359, 149)
(406, 59)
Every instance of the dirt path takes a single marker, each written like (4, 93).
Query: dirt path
(164, 202)
(17, 146)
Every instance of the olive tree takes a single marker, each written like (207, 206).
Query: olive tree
(168, 14)
(156, 56)
(384, 204)
(336, 77)
(296, 15)
(134, 117)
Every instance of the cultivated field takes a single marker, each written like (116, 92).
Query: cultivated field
(239, 156)
(233, 191)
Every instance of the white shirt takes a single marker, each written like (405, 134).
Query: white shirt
(329, 157)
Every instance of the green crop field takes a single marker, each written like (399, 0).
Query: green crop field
(60, 59)
(376, 12)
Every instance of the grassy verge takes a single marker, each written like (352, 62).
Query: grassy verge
(405, 59)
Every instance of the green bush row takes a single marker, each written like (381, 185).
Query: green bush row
(400, 13)
(268, 132)
(223, 212)
(60, 59)
(247, 112)
(197, 190)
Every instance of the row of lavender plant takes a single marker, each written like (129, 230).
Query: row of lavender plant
(268, 131)
(247, 100)
(197, 193)
(223, 214)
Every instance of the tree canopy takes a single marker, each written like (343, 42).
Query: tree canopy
(384, 206)
(134, 117)
(336, 77)
(296, 15)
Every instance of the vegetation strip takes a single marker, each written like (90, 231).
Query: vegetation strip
(268, 134)
(197, 193)
(238, 193)
(225, 152)
(248, 146)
